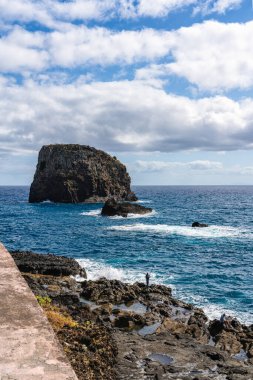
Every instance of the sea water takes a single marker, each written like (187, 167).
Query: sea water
(209, 267)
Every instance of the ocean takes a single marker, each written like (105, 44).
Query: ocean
(209, 267)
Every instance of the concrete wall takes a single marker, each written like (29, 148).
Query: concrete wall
(29, 349)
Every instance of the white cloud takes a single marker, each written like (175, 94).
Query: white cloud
(102, 46)
(54, 14)
(161, 8)
(121, 116)
(199, 165)
(216, 6)
(77, 46)
(213, 56)
(21, 50)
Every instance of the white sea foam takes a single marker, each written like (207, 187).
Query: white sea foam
(214, 311)
(135, 216)
(207, 232)
(97, 213)
(98, 269)
(143, 201)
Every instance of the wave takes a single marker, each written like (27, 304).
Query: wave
(135, 216)
(97, 213)
(142, 201)
(208, 232)
(98, 269)
(214, 311)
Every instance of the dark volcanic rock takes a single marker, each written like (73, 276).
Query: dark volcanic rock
(29, 262)
(112, 208)
(115, 291)
(197, 224)
(98, 323)
(78, 173)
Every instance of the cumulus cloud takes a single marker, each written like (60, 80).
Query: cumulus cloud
(54, 14)
(160, 8)
(22, 50)
(216, 6)
(212, 55)
(121, 116)
(77, 46)
(101, 46)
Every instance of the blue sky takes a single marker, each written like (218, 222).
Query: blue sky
(165, 85)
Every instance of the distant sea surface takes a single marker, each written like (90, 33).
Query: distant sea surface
(210, 267)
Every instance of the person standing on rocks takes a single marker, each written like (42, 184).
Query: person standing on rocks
(223, 320)
(147, 279)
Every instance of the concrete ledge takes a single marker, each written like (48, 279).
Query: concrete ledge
(29, 349)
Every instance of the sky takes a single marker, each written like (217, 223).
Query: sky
(165, 85)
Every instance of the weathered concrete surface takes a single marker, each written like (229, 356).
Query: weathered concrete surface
(29, 349)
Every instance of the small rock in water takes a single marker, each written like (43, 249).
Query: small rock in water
(114, 208)
(197, 224)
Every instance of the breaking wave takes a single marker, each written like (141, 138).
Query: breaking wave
(207, 232)
(97, 213)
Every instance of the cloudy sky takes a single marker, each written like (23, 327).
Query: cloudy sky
(165, 85)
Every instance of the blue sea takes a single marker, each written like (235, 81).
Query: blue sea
(209, 267)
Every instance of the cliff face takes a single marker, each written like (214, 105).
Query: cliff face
(78, 173)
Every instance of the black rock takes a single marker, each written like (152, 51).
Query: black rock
(113, 208)
(72, 173)
(47, 264)
(197, 224)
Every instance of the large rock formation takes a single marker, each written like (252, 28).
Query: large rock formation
(78, 173)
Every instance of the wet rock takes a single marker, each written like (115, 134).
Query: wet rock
(129, 320)
(105, 344)
(113, 208)
(114, 291)
(47, 264)
(74, 173)
(197, 224)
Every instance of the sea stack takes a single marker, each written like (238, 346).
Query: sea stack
(71, 173)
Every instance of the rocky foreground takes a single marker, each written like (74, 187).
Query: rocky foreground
(113, 330)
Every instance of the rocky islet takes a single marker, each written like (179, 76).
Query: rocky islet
(72, 173)
(114, 208)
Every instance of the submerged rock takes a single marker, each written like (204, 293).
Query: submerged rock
(29, 262)
(197, 224)
(113, 208)
(74, 173)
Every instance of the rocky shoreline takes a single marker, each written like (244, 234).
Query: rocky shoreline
(113, 330)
